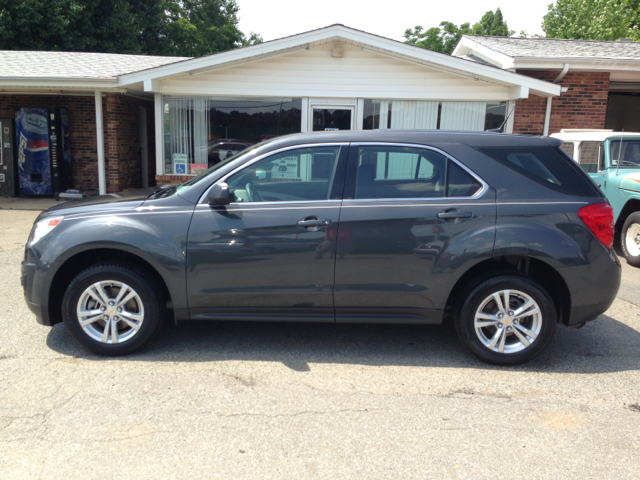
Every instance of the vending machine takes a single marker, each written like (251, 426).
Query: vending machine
(44, 151)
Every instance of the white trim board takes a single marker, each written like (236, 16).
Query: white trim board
(346, 35)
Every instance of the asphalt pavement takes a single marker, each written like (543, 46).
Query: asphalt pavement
(276, 400)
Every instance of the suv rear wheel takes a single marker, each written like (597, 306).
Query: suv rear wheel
(630, 239)
(507, 320)
(112, 309)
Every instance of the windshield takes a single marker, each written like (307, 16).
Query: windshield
(217, 166)
(629, 155)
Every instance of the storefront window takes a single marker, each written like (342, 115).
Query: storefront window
(200, 132)
(434, 115)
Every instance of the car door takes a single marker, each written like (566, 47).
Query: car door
(412, 221)
(267, 255)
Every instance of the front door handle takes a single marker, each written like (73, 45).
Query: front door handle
(454, 214)
(313, 222)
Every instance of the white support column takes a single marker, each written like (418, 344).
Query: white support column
(304, 127)
(102, 177)
(359, 114)
(547, 117)
(159, 133)
(511, 112)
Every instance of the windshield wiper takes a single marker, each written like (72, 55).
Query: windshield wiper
(163, 192)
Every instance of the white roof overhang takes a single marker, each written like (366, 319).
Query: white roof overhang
(468, 46)
(57, 83)
(520, 85)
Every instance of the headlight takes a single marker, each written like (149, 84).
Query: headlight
(41, 228)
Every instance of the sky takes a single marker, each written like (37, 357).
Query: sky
(279, 18)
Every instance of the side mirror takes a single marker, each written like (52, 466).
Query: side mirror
(219, 194)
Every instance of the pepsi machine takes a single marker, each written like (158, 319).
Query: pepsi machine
(44, 151)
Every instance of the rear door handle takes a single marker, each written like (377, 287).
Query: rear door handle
(454, 214)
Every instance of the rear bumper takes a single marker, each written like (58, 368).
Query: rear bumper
(587, 313)
(594, 288)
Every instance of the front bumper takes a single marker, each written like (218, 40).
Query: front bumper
(29, 282)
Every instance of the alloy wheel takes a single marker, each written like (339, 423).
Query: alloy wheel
(508, 321)
(110, 312)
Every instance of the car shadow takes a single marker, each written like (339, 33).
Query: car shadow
(605, 345)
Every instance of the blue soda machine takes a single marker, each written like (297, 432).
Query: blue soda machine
(44, 151)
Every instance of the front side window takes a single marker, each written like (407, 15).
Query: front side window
(405, 172)
(304, 174)
(626, 153)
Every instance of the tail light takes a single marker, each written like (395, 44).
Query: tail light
(599, 219)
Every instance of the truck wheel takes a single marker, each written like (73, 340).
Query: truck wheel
(112, 309)
(630, 239)
(507, 320)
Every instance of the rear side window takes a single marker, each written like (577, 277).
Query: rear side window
(547, 166)
(460, 183)
(568, 147)
(590, 154)
(406, 172)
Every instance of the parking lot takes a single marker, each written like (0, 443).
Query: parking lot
(244, 400)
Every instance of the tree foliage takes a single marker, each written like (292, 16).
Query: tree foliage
(155, 27)
(593, 19)
(446, 36)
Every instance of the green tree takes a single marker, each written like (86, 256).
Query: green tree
(202, 27)
(155, 27)
(91, 25)
(446, 36)
(593, 19)
(492, 23)
(441, 39)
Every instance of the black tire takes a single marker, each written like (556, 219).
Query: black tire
(632, 220)
(466, 331)
(148, 292)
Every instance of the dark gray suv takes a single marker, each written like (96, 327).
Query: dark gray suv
(503, 235)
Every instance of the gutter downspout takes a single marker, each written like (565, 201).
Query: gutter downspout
(547, 113)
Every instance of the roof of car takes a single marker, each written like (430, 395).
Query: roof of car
(424, 137)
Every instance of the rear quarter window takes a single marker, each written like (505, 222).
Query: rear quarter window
(548, 166)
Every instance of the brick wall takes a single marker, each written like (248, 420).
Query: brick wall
(163, 180)
(121, 135)
(122, 142)
(584, 105)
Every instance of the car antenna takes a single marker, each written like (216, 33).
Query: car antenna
(619, 152)
(500, 129)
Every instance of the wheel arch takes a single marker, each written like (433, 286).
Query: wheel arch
(536, 269)
(632, 205)
(81, 260)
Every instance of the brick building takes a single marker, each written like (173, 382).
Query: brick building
(137, 120)
(600, 81)
(86, 85)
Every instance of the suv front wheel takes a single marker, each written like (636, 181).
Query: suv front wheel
(507, 320)
(112, 309)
